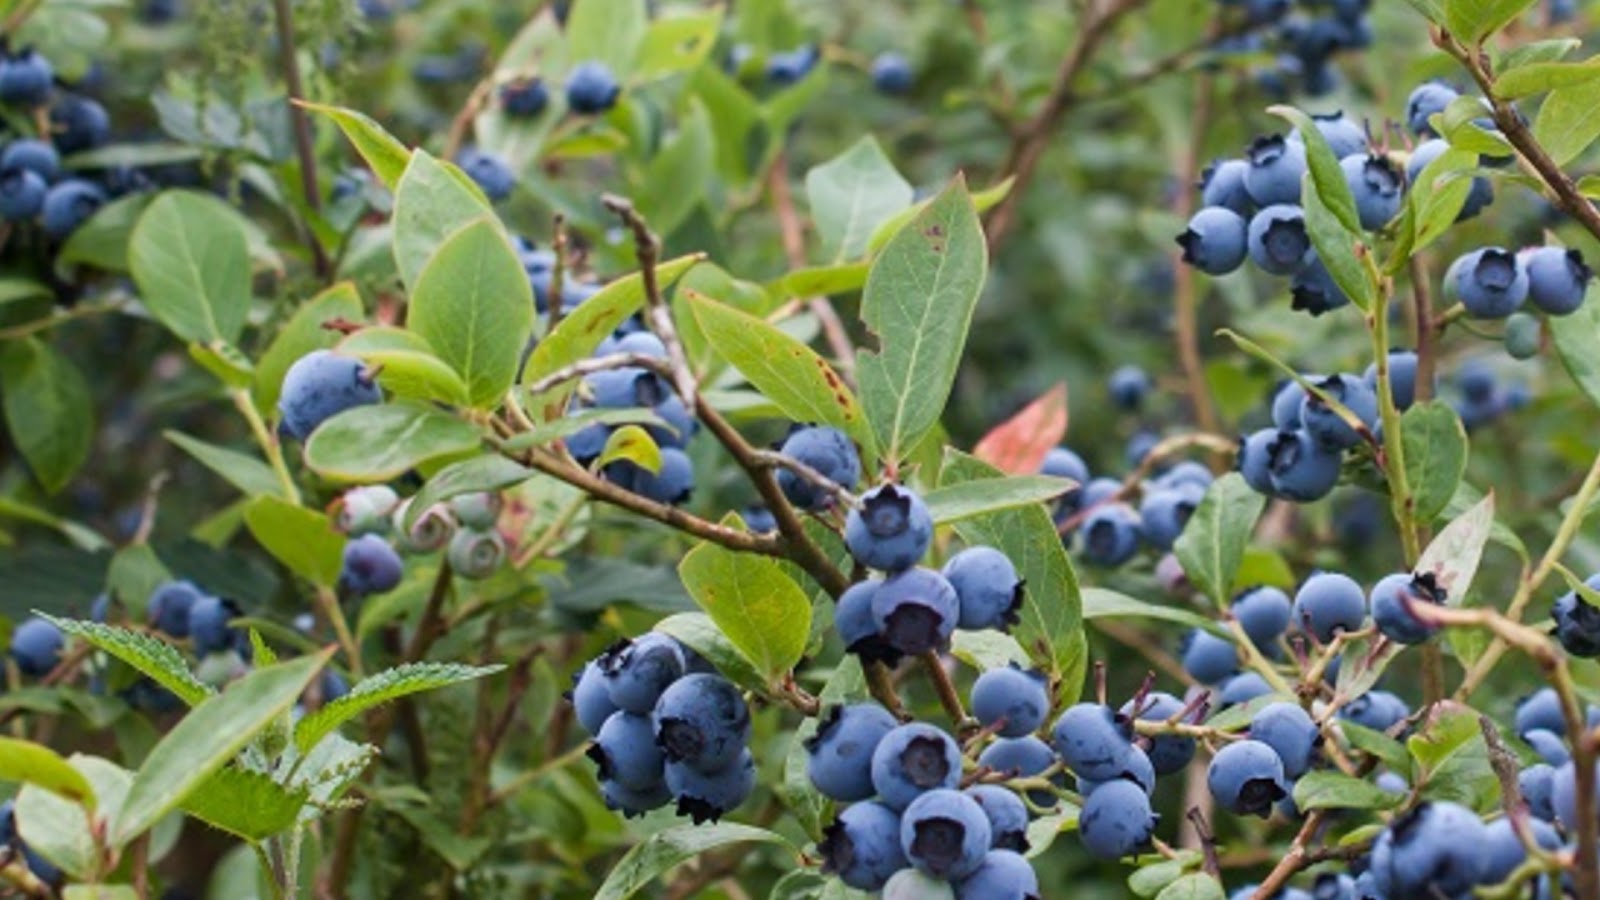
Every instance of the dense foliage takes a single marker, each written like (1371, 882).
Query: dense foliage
(806, 450)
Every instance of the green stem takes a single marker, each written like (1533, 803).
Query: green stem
(1254, 659)
(341, 629)
(269, 445)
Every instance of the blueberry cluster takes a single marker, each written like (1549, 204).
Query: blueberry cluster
(182, 610)
(1109, 530)
(666, 727)
(1303, 43)
(465, 527)
(780, 69)
(34, 186)
(1578, 621)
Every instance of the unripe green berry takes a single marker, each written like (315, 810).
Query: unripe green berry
(431, 531)
(366, 510)
(476, 554)
(1522, 336)
(477, 510)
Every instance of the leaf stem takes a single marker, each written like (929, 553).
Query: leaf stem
(328, 601)
(270, 446)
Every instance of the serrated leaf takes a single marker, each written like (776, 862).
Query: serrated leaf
(243, 471)
(755, 603)
(376, 690)
(304, 540)
(1336, 790)
(191, 261)
(667, 848)
(634, 444)
(245, 803)
(490, 473)
(965, 501)
(303, 333)
(1455, 552)
(1212, 543)
(851, 195)
(154, 658)
(48, 411)
(384, 154)
(1104, 603)
(1436, 455)
(369, 444)
(1449, 729)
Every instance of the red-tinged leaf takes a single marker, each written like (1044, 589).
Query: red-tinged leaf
(1018, 445)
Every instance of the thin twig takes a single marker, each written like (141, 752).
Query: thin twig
(304, 148)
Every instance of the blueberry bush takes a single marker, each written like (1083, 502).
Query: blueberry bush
(611, 448)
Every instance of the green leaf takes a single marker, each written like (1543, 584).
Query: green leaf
(675, 179)
(473, 306)
(788, 372)
(634, 444)
(1194, 886)
(678, 41)
(548, 432)
(490, 472)
(1536, 78)
(54, 827)
(102, 242)
(14, 289)
(384, 687)
(1043, 831)
(988, 649)
(304, 540)
(919, 300)
(1566, 124)
(207, 739)
(1147, 881)
(407, 365)
(243, 471)
(1470, 21)
(1361, 665)
(851, 195)
(1339, 250)
(608, 31)
(1212, 544)
(433, 200)
(1535, 52)
(1450, 729)
(369, 444)
(384, 154)
(154, 658)
(976, 498)
(48, 411)
(99, 892)
(35, 764)
(667, 848)
(1051, 625)
(1436, 455)
(1336, 790)
(1432, 204)
(245, 803)
(701, 634)
(1390, 751)
(191, 261)
(1576, 336)
(820, 281)
(1454, 554)
(303, 333)
(760, 609)
(1104, 603)
(1326, 181)
(983, 201)
(847, 684)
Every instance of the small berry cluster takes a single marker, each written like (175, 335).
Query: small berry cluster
(1109, 529)
(33, 183)
(1303, 44)
(374, 517)
(666, 727)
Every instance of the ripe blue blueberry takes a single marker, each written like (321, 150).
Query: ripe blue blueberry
(1242, 688)
(891, 73)
(945, 833)
(1312, 290)
(1139, 446)
(786, 68)
(1290, 732)
(839, 755)
(913, 759)
(625, 751)
(36, 646)
(701, 721)
(1100, 491)
(1549, 745)
(1490, 282)
(1278, 241)
(1184, 472)
(1022, 757)
(1128, 386)
(1264, 613)
(1402, 378)
(36, 156)
(1215, 240)
(637, 671)
(1007, 814)
(707, 796)
(524, 99)
(1110, 534)
(891, 530)
(759, 519)
(1207, 658)
(1003, 875)
(68, 204)
(1540, 710)
(1287, 401)
(1436, 850)
(673, 484)
(169, 605)
(1377, 710)
(1064, 463)
(915, 610)
(1558, 278)
(22, 194)
(1300, 467)
(1481, 193)
(591, 701)
(1163, 512)
(987, 588)
(1136, 767)
(1578, 622)
(1325, 425)
(1537, 783)
(1012, 701)
(592, 88)
(827, 450)
(862, 846)
(1377, 185)
(208, 625)
(1093, 740)
(624, 388)
(320, 385)
(631, 803)
(371, 566)
(1168, 753)
(857, 628)
(25, 78)
(1393, 600)
(489, 172)
(1345, 136)
(1426, 100)
(1276, 168)
(1255, 458)
(1328, 603)
(1222, 184)
(1246, 778)
(1116, 820)
(1505, 851)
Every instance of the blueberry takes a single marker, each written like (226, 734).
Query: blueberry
(625, 388)
(36, 646)
(208, 625)
(1345, 136)
(331, 686)
(1168, 753)
(1100, 491)
(1186, 472)
(1222, 184)
(1477, 380)
(1564, 794)
(366, 510)
(1578, 622)
(1549, 745)
(891, 73)
(1537, 783)
(827, 450)
(784, 69)
(78, 124)
(524, 99)
(169, 605)
(1300, 467)
(1278, 241)
(25, 78)
(1265, 613)
(1540, 710)
(625, 751)
(913, 759)
(1479, 196)
(432, 530)
(1022, 757)
(1392, 783)
(673, 484)
(633, 803)
(1247, 778)
(475, 555)
(1393, 599)
(1012, 701)
(1207, 658)
(708, 796)
(1093, 740)
(1490, 282)
(1436, 849)
(1402, 378)
(591, 701)
(759, 519)
(1164, 512)
(1505, 851)
(915, 610)
(637, 672)
(38, 157)
(839, 755)
(592, 88)
(1064, 463)
(1110, 534)
(22, 194)
(1007, 814)
(890, 530)
(1276, 168)
(1255, 458)
(857, 628)
(371, 566)
(1378, 186)
(1328, 603)
(1313, 291)
(1215, 240)
(1136, 767)
(1003, 875)
(1522, 335)
(702, 721)
(1558, 278)
(987, 588)
(320, 385)
(1290, 732)
(1139, 447)
(1116, 820)
(1426, 100)
(1322, 423)
(862, 846)
(1128, 385)
(1241, 689)
(489, 172)
(1288, 401)
(68, 204)
(945, 833)
(1377, 710)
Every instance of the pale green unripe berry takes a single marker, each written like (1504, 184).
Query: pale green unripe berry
(431, 531)
(476, 554)
(478, 510)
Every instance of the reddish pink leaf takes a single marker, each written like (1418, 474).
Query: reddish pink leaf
(1017, 446)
